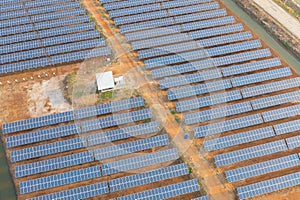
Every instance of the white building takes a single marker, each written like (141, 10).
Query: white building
(105, 81)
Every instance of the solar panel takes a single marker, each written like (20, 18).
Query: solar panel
(11, 48)
(293, 142)
(287, 127)
(59, 179)
(252, 66)
(156, 175)
(275, 100)
(270, 185)
(122, 133)
(109, 108)
(24, 55)
(15, 14)
(201, 198)
(227, 125)
(115, 120)
(42, 135)
(213, 99)
(14, 22)
(18, 38)
(262, 168)
(140, 17)
(29, 4)
(250, 153)
(158, 41)
(53, 164)
(139, 161)
(201, 54)
(281, 113)
(11, 7)
(51, 8)
(210, 32)
(147, 25)
(195, 8)
(124, 4)
(131, 147)
(189, 91)
(82, 192)
(178, 3)
(16, 30)
(216, 113)
(270, 87)
(37, 122)
(260, 77)
(237, 139)
(207, 23)
(134, 10)
(190, 78)
(165, 191)
(57, 15)
(47, 149)
(146, 34)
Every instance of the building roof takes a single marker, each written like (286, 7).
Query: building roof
(105, 81)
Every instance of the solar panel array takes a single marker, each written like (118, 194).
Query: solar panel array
(148, 177)
(33, 22)
(165, 191)
(59, 179)
(237, 139)
(139, 161)
(262, 168)
(199, 49)
(131, 147)
(250, 153)
(268, 186)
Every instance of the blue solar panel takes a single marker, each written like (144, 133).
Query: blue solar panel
(190, 91)
(213, 99)
(29, 4)
(252, 66)
(122, 133)
(178, 3)
(124, 4)
(152, 33)
(165, 192)
(208, 23)
(190, 78)
(15, 14)
(47, 149)
(16, 30)
(293, 142)
(270, 87)
(281, 113)
(216, 113)
(227, 125)
(156, 175)
(115, 120)
(42, 135)
(18, 38)
(287, 127)
(51, 8)
(216, 31)
(139, 161)
(59, 179)
(77, 193)
(147, 25)
(37, 122)
(70, 38)
(57, 15)
(80, 55)
(134, 10)
(66, 30)
(275, 100)
(54, 164)
(195, 8)
(11, 7)
(131, 147)
(140, 17)
(237, 139)
(260, 77)
(109, 108)
(77, 46)
(250, 153)
(15, 22)
(24, 55)
(270, 185)
(262, 168)
(34, 44)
